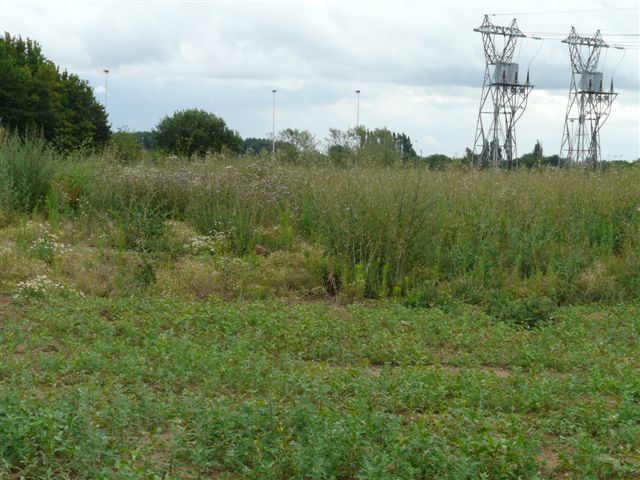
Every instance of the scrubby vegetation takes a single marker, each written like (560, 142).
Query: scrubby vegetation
(254, 317)
(568, 237)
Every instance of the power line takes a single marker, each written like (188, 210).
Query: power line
(548, 36)
(554, 12)
(604, 32)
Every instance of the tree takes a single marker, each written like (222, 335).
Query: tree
(341, 145)
(438, 161)
(127, 146)
(384, 146)
(147, 140)
(534, 159)
(252, 146)
(405, 147)
(554, 161)
(381, 146)
(537, 150)
(82, 120)
(196, 132)
(35, 96)
(296, 145)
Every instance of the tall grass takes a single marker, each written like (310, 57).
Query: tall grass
(489, 228)
(26, 171)
(570, 235)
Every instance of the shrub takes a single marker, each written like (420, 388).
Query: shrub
(529, 312)
(423, 296)
(145, 274)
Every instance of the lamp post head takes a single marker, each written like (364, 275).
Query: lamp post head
(274, 91)
(358, 91)
(106, 71)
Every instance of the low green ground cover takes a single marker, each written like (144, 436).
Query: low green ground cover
(153, 387)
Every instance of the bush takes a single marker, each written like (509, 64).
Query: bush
(423, 296)
(529, 312)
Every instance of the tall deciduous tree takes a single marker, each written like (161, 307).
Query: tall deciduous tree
(35, 96)
(196, 132)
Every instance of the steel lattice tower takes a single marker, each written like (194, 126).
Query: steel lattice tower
(589, 105)
(495, 141)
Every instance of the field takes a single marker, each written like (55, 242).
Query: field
(165, 388)
(249, 318)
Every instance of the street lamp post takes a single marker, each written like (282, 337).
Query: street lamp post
(273, 131)
(358, 109)
(106, 87)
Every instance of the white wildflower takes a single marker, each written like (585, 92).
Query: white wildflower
(41, 286)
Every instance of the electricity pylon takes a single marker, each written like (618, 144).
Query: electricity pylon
(589, 105)
(495, 140)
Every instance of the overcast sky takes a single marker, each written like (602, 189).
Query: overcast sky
(418, 64)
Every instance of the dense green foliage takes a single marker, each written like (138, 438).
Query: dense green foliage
(161, 388)
(36, 98)
(196, 132)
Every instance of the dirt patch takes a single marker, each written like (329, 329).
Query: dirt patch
(161, 452)
(5, 300)
(549, 458)
(375, 369)
(161, 448)
(450, 369)
(501, 372)
(596, 316)
(6, 306)
(46, 349)
(107, 315)
(610, 400)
